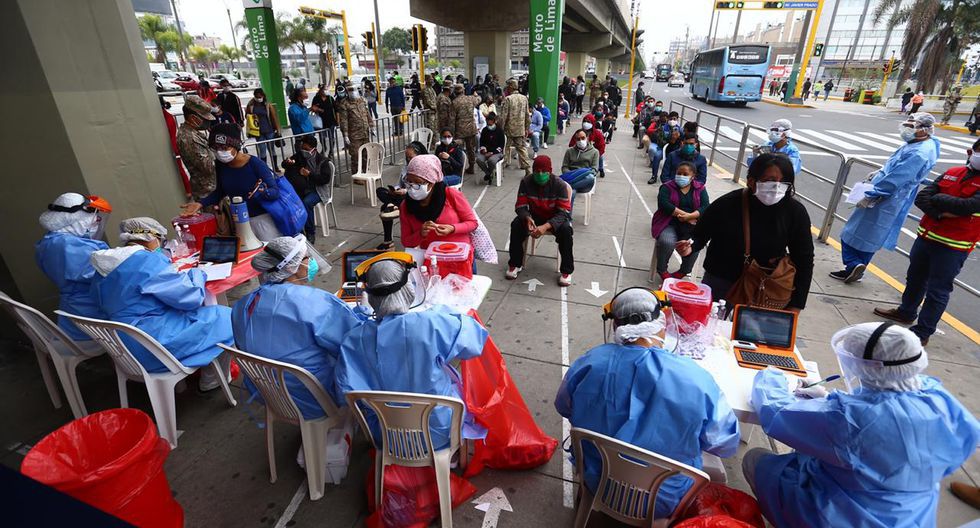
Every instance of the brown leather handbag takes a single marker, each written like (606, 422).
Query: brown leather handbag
(758, 285)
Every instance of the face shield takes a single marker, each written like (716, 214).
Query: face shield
(632, 314)
(391, 283)
(870, 356)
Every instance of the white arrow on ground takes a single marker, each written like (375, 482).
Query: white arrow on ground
(492, 502)
(532, 284)
(595, 291)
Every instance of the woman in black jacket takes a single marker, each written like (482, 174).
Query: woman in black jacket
(778, 225)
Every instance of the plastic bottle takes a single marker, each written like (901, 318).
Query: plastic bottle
(178, 246)
(189, 240)
(722, 309)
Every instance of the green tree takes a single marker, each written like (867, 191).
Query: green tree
(201, 56)
(397, 39)
(454, 64)
(293, 33)
(230, 54)
(321, 35)
(164, 36)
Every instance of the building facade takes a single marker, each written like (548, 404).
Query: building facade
(449, 46)
(853, 43)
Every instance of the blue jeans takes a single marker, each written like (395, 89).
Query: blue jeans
(580, 180)
(655, 156)
(853, 256)
(535, 141)
(267, 147)
(452, 179)
(310, 200)
(602, 164)
(932, 268)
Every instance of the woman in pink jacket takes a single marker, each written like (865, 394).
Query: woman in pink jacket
(433, 212)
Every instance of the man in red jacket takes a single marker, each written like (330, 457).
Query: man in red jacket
(543, 207)
(948, 232)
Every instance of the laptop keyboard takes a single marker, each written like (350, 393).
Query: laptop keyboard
(760, 358)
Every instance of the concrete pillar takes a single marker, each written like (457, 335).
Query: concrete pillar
(575, 64)
(494, 45)
(87, 120)
(601, 68)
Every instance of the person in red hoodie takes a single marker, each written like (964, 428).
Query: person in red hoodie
(172, 132)
(596, 138)
(544, 206)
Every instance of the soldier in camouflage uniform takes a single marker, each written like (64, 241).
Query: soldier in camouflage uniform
(463, 124)
(953, 98)
(443, 105)
(355, 122)
(192, 144)
(429, 103)
(515, 118)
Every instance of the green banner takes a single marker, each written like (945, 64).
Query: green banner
(265, 47)
(544, 47)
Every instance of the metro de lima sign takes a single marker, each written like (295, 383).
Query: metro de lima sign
(543, 28)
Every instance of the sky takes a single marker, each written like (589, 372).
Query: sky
(662, 20)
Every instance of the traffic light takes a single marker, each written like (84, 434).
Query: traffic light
(818, 50)
(423, 37)
(729, 5)
(886, 68)
(415, 38)
(368, 39)
(772, 5)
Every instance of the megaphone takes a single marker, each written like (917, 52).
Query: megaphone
(239, 214)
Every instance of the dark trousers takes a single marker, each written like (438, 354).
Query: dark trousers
(310, 200)
(398, 127)
(519, 234)
(578, 104)
(545, 133)
(932, 268)
(386, 197)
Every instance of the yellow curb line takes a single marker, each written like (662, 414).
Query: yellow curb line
(954, 128)
(790, 105)
(947, 317)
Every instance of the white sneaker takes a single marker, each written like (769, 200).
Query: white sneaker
(565, 280)
(512, 272)
(544, 145)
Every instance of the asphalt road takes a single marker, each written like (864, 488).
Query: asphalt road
(855, 130)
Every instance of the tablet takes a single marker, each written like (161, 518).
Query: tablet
(773, 328)
(219, 249)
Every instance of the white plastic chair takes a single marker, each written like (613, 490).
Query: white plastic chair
(533, 242)
(588, 201)
(326, 193)
(422, 135)
(406, 440)
(159, 385)
(499, 172)
(462, 172)
(269, 378)
(374, 153)
(630, 480)
(50, 341)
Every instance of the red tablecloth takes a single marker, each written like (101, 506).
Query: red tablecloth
(240, 273)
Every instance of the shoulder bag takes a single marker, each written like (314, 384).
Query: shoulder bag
(287, 211)
(758, 285)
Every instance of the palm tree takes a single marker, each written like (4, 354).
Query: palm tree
(321, 36)
(293, 33)
(201, 56)
(230, 54)
(152, 27)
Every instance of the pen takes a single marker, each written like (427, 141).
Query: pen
(825, 380)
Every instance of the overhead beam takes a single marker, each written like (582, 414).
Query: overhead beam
(585, 42)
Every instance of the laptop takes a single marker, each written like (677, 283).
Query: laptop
(763, 337)
(349, 289)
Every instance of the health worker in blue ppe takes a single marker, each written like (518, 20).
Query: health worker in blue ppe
(877, 220)
(74, 230)
(288, 319)
(408, 351)
(871, 457)
(135, 284)
(780, 142)
(637, 392)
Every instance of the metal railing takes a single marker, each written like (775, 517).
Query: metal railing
(838, 183)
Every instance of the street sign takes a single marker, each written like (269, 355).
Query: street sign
(799, 5)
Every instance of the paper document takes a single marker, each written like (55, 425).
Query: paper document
(217, 271)
(857, 192)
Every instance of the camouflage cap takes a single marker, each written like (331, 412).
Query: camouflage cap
(198, 106)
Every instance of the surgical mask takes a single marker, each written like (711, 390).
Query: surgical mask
(311, 269)
(582, 144)
(682, 181)
(260, 99)
(226, 89)
(541, 178)
(586, 126)
(418, 191)
(770, 193)
(598, 115)
(688, 149)
(649, 105)
(447, 140)
(907, 133)
(658, 108)
(224, 156)
(672, 122)
(974, 161)
(492, 127)
(775, 136)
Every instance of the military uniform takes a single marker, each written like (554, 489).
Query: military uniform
(429, 103)
(953, 98)
(192, 145)
(516, 121)
(463, 124)
(595, 90)
(443, 105)
(355, 123)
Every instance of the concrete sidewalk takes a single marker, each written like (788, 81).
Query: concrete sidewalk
(219, 471)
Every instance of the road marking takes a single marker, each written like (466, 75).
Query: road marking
(759, 134)
(480, 199)
(885, 138)
(619, 251)
(942, 147)
(293, 505)
(965, 143)
(833, 141)
(863, 140)
(567, 473)
(730, 133)
(492, 502)
(635, 190)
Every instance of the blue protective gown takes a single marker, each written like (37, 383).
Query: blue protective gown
(411, 353)
(652, 399)
(789, 149)
(144, 291)
(869, 459)
(64, 258)
(897, 183)
(295, 324)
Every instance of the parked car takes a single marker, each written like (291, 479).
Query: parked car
(216, 78)
(163, 82)
(647, 74)
(186, 80)
(677, 80)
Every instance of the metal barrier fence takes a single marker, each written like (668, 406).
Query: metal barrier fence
(838, 183)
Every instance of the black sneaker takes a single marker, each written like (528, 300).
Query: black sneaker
(486, 178)
(856, 274)
(652, 180)
(841, 275)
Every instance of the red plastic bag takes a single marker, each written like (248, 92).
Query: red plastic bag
(513, 440)
(720, 500)
(712, 521)
(411, 498)
(112, 460)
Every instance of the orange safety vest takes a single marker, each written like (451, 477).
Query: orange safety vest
(962, 232)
